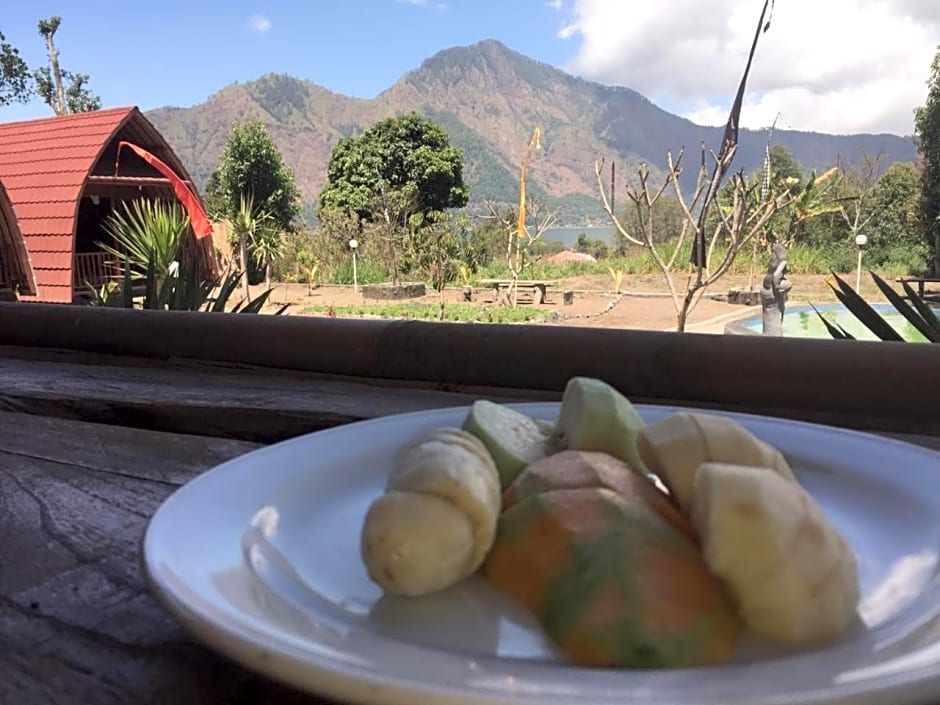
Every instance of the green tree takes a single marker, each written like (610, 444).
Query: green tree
(896, 230)
(63, 91)
(252, 166)
(783, 165)
(927, 128)
(15, 85)
(409, 157)
(597, 248)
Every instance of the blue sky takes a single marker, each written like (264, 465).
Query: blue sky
(178, 53)
(685, 55)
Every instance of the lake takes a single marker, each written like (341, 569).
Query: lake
(568, 236)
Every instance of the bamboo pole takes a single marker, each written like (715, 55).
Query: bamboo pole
(865, 384)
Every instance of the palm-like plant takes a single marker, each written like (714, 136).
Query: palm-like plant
(246, 227)
(918, 313)
(266, 246)
(146, 233)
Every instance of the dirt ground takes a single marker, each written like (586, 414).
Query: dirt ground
(645, 303)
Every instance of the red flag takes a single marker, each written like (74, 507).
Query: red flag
(197, 214)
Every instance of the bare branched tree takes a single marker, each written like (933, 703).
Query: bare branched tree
(860, 178)
(734, 225)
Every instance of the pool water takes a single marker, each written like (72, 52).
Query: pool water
(802, 322)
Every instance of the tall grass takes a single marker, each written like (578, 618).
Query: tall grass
(803, 259)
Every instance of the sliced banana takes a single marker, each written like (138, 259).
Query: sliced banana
(455, 466)
(414, 544)
(437, 519)
(792, 574)
(674, 447)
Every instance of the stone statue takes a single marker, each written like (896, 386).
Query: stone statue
(773, 293)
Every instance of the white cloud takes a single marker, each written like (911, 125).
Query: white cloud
(439, 6)
(838, 66)
(259, 23)
(556, 5)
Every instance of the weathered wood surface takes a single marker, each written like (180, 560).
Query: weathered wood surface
(256, 405)
(77, 624)
(268, 405)
(885, 386)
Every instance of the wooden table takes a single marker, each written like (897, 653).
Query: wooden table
(537, 289)
(104, 413)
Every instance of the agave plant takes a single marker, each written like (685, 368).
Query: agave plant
(918, 313)
(182, 289)
(146, 233)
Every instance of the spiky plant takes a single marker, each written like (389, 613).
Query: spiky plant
(918, 313)
(144, 233)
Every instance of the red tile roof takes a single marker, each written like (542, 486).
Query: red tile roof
(15, 266)
(44, 165)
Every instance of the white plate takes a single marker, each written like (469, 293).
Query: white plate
(259, 558)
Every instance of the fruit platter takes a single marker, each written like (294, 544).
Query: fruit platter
(589, 551)
(569, 520)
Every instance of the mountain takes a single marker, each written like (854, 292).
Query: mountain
(489, 99)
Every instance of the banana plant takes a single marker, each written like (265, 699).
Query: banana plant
(918, 313)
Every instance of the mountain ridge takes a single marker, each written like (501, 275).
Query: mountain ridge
(489, 98)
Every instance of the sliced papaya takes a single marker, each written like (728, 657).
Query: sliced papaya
(612, 583)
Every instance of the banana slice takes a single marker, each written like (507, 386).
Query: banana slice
(437, 519)
(792, 574)
(414, 544)
(674, 447)
(455, 466)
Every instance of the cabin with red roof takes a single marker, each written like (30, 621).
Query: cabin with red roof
(16, 270)
(63, 178)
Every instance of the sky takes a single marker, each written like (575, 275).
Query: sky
(837, 66)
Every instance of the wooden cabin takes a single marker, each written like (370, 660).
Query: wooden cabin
(64, 176)
(16, 271)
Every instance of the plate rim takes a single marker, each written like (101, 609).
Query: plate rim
(236, 642)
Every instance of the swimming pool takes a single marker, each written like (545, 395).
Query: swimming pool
(802, 322)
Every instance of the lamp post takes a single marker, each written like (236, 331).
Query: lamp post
(354, 245)
(861, 240)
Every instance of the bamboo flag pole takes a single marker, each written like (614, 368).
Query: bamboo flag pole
(729, 145)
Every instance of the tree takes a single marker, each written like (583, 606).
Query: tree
(51, 80)
(15, 86)
(439, 247)
(410, 157)
(399, 169)
(784, 165)
(894, 223)
(927, 128)
(246, 227)
(737, 219)
(665, 212)
(252, 166)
